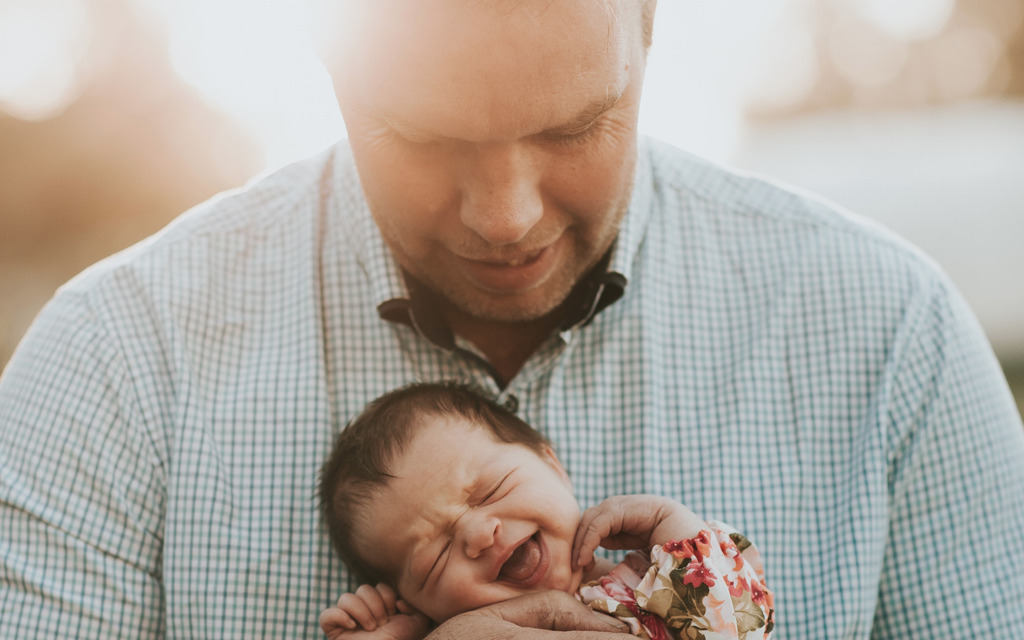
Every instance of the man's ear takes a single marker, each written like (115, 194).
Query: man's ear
(552, 458)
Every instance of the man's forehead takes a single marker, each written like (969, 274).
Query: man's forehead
(346, 30)
(389, 28)
(475, 74)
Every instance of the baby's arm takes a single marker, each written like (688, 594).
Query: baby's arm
(695, 568)
(373, 613)
(633, 522)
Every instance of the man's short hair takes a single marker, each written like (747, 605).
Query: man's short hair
(359, 464)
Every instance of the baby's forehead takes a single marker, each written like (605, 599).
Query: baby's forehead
(464, 431)
(444, 462)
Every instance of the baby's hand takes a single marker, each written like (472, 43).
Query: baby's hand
(632, 522)
(373, 613)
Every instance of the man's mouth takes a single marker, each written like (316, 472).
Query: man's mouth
(528, 563)
(517, 261)
(512, 274)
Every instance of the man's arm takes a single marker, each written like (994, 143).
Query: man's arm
(81, 486)
(953, 563)
(546, 614)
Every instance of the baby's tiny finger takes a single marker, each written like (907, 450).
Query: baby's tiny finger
(356, 607)
(374, 601)
(334, 617)
(389, 597)
(404, 607)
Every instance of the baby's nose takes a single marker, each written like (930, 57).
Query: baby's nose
(480, 534)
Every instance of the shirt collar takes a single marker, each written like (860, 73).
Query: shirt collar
(357, 231)
(607, 282)
(634, 225)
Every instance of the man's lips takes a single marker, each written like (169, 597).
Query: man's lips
(516, 260)
(509, 275)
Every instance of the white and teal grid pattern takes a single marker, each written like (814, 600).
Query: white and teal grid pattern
(774, 364)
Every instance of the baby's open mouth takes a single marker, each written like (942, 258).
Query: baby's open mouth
(525, 563)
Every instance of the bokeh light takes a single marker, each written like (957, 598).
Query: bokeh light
(41, 43)
(255, 61)
(908, 19)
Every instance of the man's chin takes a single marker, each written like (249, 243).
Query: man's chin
(514, 308)
(509, 311)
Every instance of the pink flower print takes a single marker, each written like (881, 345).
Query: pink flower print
(678, 548)
(760, 595)
(729, 550)
(698, 574)
(654, 625)
(728, 546)
(716, 619)
(696, 548)
(738, 586)
(702, 544)
(738, 563)
(616, 591)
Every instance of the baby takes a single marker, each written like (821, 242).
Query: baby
(447, 502)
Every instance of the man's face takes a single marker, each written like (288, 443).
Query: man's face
(496, 141)
(469, 520)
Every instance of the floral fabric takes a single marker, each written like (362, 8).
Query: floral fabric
(709, 587)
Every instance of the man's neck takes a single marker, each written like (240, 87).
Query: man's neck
(506, 345)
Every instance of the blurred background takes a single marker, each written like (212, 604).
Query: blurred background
(117, 115)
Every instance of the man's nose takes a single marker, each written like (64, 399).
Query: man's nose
(479, 534)
(501, 193)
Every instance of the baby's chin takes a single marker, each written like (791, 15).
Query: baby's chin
(568, 580)
(570, 584)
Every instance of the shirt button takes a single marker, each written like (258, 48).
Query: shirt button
(511, 403)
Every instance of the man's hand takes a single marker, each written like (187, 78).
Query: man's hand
(535, 615)
(632, 522)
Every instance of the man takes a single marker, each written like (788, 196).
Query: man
(673, 328)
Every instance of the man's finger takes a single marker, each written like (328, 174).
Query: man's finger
(555, 611)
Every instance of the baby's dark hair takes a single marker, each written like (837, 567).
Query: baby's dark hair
(360, 462)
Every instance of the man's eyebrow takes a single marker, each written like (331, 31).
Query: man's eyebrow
(586, 116)
(579, 122)
(395, 124)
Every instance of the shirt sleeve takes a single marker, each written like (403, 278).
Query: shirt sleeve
(953, 563)
(709, 587)
(81, 497)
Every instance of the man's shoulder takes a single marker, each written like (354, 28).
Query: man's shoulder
(228, 267)
(739, 211)
(271, 214)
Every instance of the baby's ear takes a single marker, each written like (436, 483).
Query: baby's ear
(552, 458)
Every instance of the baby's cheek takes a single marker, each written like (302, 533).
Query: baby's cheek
(467, 595)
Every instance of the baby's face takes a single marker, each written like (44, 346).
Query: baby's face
(469, 521)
